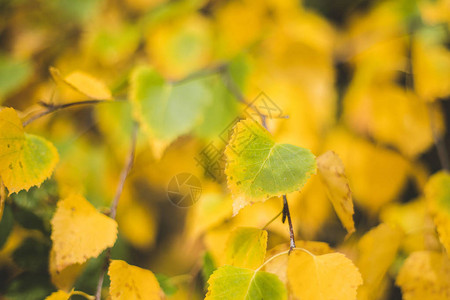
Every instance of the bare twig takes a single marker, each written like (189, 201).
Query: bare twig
(50, 108)
(113, 210)
(438, 141)
(291, 228)
(234, 89)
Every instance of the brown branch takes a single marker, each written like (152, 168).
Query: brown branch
(113, 210)
(291, 228)
(50, 108)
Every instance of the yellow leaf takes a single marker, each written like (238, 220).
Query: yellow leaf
(2, 198)
(414, 220)
(279, 265)
(84, 83)
(59, 295)
(180, 47)
(437, 192)
(374, 261)
(137, 224)
(131, 282)
(25, 160)
(431, 66)
(425, 275)
(210, 210)
(80, 232)
(333, 175)
(376, 174)
(322, 277)
(65, 278)
(246, 247)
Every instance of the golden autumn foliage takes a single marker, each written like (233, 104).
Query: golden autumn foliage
(212, 149)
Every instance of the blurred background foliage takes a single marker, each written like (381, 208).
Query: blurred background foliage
(366, 79)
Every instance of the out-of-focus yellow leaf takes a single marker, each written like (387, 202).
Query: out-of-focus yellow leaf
(2, 198)
(59, 295)
(431, 67)
(333, 175)
(26, 160)
(210, 210)
(137, 224)
(425, 275)
(437, 192)
(377, 251)
(391, 115)
(414, 220)
(84, 83)
(65, 278)
(230, 18)
(131, 282)
(246, 247)
(434, 12)
(80, 232)
(376, 174)
(181, 46)
(322, 277)
(279, 265)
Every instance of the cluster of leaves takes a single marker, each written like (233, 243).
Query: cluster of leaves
(141, 88)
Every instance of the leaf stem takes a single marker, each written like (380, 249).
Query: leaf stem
(272, 258)
(113, 210)
(291, 228)
(50, 108)
(273, 219)
(80, 293)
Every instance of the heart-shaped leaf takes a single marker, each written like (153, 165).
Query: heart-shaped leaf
(258, 168)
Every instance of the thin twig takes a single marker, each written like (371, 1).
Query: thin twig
(52, 108)
(438, 141)
(113, 210)
(233, 88)
(291, 228)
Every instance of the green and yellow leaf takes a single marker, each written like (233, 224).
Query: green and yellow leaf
(258, 168)
(233, 283)
(246, 247)
(26, 160)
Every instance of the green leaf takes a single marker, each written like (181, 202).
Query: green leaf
(208, 267)
(259, 169)
(32, 255)
(6, 225)
(167, 110)
(166, 284)
(233, 283)
(246, 247)
(220, 112)
(13, 74)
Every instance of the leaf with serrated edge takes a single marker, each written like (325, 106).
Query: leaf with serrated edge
(80, 232)
(331, 170)
(233, 283)
(425, 275)
(258, 168)
(246, 247)
(131, 282)
(26, 160)
(322, 277)
(437, 192)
